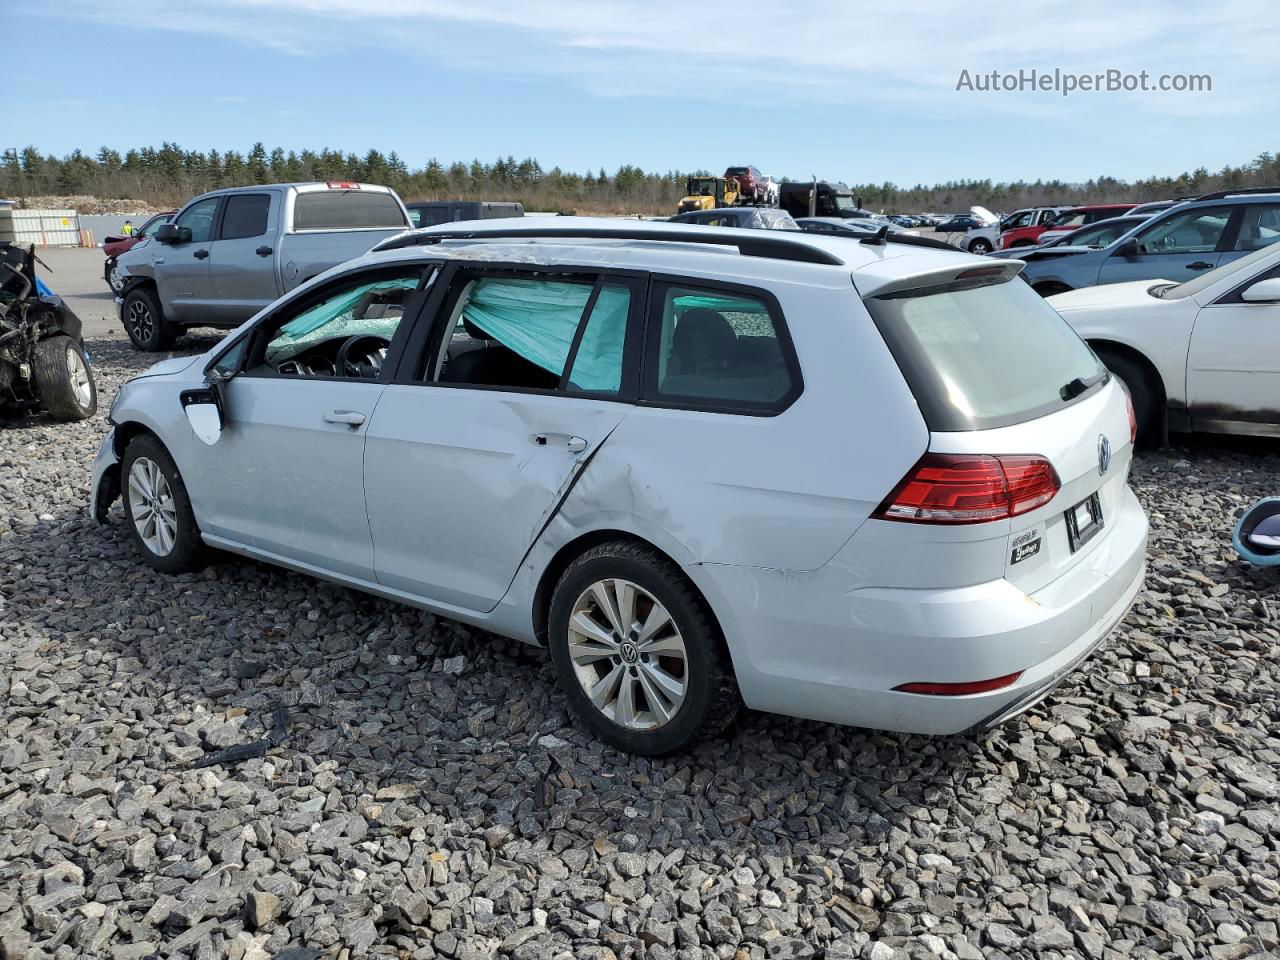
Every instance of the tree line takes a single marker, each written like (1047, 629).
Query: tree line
(169, 175)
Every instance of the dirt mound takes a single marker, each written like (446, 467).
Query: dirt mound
(87, 204)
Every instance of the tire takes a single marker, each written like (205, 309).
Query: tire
(709, 700)
(164, 502)
(144, 321)
(63, 378)
(112, 276)
(980, 246)
(1143, 394)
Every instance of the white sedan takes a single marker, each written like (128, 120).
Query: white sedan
(1201, 356)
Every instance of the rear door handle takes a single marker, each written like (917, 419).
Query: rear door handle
(351, 418)
(1200, 265)
(264, 251)
(200, 254)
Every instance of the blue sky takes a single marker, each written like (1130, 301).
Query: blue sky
(854, 91)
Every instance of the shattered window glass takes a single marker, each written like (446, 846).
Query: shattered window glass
(370, 308)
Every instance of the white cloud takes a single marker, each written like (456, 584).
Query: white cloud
(900, 55)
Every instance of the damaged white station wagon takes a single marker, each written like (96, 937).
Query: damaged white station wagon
(874, 482)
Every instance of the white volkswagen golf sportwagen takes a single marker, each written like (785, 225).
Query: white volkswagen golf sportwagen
(874, 482)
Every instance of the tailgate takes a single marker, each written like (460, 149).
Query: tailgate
(1047, 542)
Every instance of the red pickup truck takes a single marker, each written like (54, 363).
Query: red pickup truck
(1066, 220)
(113, 246)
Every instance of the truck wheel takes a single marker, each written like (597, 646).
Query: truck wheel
(63, 379)
(145, 323)
(112, 276)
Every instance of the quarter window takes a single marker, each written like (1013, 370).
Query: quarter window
(1259, 228)
(718, 349)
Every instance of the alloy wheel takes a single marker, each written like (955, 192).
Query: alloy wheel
(79, 376)
(140, 321)
(151, 504)
(628, 654)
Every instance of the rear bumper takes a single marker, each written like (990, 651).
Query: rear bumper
(805, 647)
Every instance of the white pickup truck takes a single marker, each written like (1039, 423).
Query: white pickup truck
(229, 253)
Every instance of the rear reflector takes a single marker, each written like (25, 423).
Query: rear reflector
(970, 488)
(959, 689)
(1133, 417)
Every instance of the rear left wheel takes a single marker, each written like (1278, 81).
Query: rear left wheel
(637, 652)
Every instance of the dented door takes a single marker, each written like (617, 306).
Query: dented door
(459, 482)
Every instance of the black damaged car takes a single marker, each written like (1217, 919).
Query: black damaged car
(42, 360)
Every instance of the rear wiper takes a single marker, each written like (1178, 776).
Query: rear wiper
(1073, 389)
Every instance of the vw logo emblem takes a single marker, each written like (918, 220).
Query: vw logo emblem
(1104, 454)
(629, 652)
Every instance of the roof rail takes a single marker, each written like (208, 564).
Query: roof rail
(768, 245)
(1243, 191)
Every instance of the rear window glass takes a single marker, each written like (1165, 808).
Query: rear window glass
(985, 357)
(345, 210)
(718, 350)
(245, 215)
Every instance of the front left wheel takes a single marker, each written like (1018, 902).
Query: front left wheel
(159, 509)
(638, 653)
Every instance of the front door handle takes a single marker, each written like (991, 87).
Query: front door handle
(1200, 265)
(263, 251)
(351, 418)
(200, 254)
(572, 444)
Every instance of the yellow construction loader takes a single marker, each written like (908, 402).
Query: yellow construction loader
(709, 193)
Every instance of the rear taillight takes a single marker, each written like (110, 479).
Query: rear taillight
(959, 689)
(970, 488)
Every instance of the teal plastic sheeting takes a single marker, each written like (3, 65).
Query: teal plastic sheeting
(335, 317)
(538, 319)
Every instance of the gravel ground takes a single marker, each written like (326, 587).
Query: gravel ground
(431, 798)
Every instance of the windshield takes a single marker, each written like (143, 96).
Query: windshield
(1209, 278)
(702, 188)
(984, 357)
